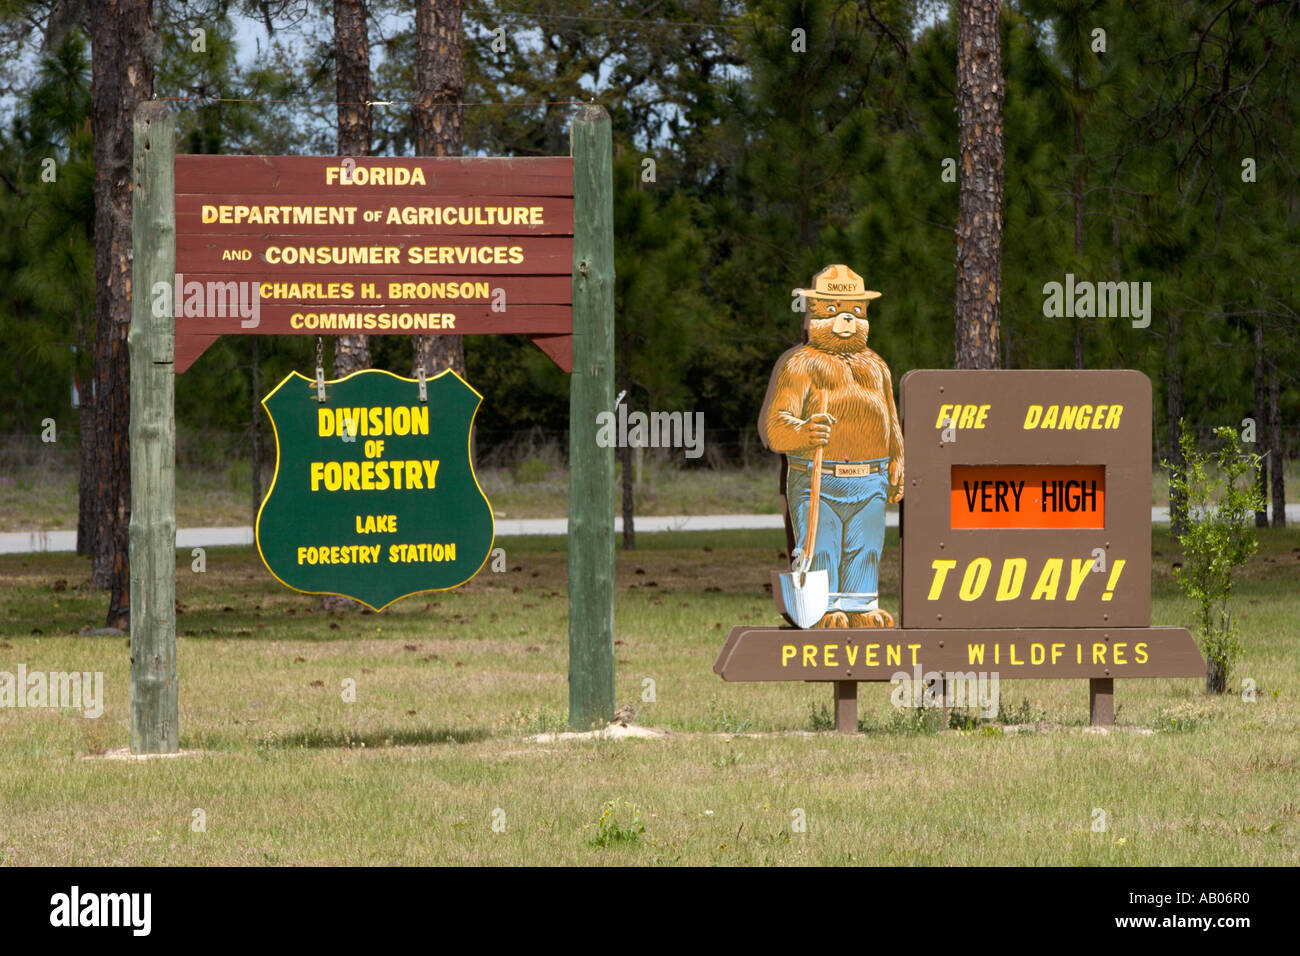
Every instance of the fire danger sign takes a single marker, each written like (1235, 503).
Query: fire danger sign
(1027, 500)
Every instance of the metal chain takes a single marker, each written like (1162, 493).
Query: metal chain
(320, 370)
(421, 351)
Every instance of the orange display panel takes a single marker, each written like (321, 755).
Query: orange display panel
(1028, 496)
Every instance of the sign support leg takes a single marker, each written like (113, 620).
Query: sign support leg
(1101, 701)
(591, 391)
(154, 697)
(846, 707)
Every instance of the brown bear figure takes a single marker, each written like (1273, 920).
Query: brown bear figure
(862, 463)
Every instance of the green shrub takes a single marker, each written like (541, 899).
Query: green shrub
(1219, 538)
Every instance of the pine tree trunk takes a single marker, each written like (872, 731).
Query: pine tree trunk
(1175, 408)
(1263, 435)
(86, 449)
(1277, 458)
(439, 89)
(1078, 209)
(123, 46)
(979, 215)
(352, 62)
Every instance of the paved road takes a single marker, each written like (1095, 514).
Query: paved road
(27, 542)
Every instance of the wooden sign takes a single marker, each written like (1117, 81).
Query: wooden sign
(327, 245)
(1028, 499)
(1026, 546)
(865, 654)
(374, 495)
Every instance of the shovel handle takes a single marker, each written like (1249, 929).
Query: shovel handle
(815, 495)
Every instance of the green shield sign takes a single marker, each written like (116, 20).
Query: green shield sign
(374, 496)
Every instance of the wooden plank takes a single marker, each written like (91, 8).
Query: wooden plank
(877, 654)
(846, 706)
(559, 348)
(1101, 702)
(336, 318)
(591, 391)
(231, 214)
(396, 256)
(410, 288)
(154, 695)
(189, 347)
(307, 175)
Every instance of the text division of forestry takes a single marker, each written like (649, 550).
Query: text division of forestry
(288, 214)
(374, 495)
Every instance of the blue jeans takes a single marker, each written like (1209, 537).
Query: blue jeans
(850, 530)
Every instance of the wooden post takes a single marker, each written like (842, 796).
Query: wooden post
(154, 700)
(1101, 701)
(591, 391)
(846, 706)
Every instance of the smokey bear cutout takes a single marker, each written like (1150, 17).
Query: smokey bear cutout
(835, 394)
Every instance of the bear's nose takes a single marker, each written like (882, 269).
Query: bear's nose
(844, 324)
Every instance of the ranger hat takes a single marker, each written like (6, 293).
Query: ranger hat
(839, 282)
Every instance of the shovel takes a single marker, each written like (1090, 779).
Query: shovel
(802, 595)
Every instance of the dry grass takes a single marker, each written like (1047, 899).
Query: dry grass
(451, 686)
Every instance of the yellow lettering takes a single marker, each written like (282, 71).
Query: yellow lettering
(975, 579)
(1048, 581)
(1079, 570)
(941, 569)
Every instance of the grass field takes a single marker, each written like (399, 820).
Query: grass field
(450, 687)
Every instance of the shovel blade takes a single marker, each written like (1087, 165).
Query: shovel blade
(802, 598)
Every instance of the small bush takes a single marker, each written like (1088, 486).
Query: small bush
(618, 825)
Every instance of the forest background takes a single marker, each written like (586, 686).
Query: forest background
(1147, 142)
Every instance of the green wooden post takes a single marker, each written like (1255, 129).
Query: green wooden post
(591, 391)
(152, 342)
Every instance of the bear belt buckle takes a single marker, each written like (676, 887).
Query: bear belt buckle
(854, 471)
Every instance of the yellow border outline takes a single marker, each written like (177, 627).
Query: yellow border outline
(257, 538)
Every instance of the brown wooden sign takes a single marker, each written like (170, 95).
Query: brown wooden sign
(1028, 499)
(330, 245)
(1026, 546)
(879, 654)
